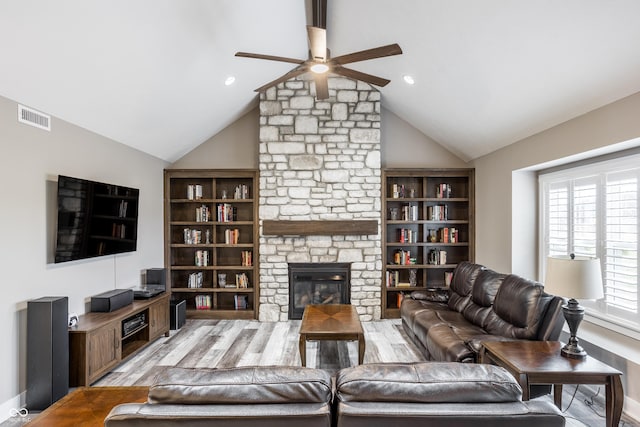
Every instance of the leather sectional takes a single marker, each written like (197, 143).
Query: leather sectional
(417, 394)
(480, 305)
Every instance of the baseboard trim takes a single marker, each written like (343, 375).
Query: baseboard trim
(631, 408)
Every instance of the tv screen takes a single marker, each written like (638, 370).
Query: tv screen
(95, 219)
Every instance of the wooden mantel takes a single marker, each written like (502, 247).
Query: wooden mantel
(320, 228)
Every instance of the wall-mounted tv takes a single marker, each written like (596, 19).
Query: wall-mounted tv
(95, 219)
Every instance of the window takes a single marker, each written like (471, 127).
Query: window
(592, 211)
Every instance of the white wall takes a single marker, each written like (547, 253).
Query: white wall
(31, 161)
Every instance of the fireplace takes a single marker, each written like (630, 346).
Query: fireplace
(318, 283)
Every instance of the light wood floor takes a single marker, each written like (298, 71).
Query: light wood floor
(229, 343)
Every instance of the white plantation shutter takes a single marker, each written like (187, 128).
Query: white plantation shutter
(621, 241)
(593, 211)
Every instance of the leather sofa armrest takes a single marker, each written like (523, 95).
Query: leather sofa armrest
(432, 295)
(475, 342)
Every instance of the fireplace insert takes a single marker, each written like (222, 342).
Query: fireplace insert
(318, 283)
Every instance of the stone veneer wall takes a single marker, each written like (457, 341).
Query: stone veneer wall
(320, 160)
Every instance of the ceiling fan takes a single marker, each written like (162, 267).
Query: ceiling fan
(320, 62)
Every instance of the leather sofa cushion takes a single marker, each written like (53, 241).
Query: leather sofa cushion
(448, 342)
(430, 382)
(245, 385)
(483, 295)
(519, 307)
(463, 277)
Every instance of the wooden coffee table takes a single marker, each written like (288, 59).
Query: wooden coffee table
(330, 322)
(88, 406)
(540, 362)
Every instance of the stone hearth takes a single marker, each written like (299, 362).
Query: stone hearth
(320, 161)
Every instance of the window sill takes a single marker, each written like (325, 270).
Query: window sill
(611, 336)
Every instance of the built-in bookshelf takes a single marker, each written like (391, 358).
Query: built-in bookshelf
(428, 228)
(211, 241)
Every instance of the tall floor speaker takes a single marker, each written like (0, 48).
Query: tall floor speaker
(47, 351)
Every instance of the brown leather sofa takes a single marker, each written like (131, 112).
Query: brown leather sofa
(481, 305)
(246, 397)
(434, 394)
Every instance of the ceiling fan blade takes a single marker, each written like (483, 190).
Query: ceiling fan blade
(269, 57)
(291, 74)
(317, 13)
(363, 55)
(317, 43)
(359, 75)
(322, 86)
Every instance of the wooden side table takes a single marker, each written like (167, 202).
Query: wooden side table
(540, 362)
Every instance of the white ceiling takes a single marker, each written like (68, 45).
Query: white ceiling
(150, 73)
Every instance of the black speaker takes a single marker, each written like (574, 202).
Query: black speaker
(111, 300)
(178, 314)
(155, 276)
(47, 351)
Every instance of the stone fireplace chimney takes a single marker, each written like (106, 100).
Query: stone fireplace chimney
(320, 161)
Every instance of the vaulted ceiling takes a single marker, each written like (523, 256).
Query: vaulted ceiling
(151, 73)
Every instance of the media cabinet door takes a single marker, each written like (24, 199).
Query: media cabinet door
(104, 350)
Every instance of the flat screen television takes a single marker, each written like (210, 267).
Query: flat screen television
(95, 219)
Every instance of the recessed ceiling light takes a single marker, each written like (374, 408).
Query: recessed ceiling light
(319, 68)
(408, 79)
(229, 81)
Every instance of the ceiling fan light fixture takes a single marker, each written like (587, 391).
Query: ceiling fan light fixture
(229, 81)
(408, 79)
(319, 68)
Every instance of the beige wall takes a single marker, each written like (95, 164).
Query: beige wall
(506, 212)
(593, 133)
(32, 159)
(237, 147)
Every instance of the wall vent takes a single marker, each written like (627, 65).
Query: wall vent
(35, 118)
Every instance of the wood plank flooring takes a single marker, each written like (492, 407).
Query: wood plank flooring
(229, 343)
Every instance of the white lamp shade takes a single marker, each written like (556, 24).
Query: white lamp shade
(579, 278)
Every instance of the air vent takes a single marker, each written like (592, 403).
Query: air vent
(35, 118)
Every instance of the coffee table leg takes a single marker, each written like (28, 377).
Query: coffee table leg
(302, 344)
(361, 348)
(557, 395)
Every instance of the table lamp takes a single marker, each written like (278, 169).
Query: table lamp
(574, 278)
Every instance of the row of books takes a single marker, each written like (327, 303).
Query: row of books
(194, 237)
(195, 280)
(407, 235)
(203, 214)
(410, 212)
(246, 258)
(203, 302)
(448, 235)
(226, 213)
(231, 236)
(202, 258)
(241, 192)
(437, 257)
(122, 209)
(194, 191)
(399, 191)
(392, 279)
(242, 281)
(118, 230)
(437, 213)
(403, 257)
(443, 191)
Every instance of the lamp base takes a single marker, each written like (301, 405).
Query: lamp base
(573, 314)
(573, 351)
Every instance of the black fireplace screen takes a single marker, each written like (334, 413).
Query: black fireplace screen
(317, 283)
